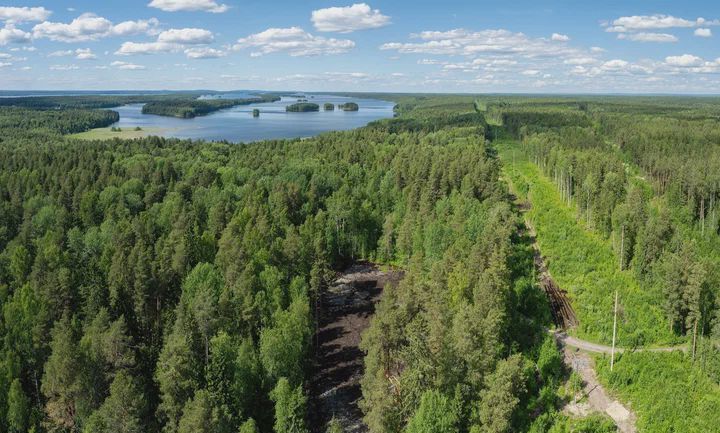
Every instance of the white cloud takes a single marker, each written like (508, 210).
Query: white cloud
(11, 35)
(131, 48)
(188, 36)
(63, 67)
(597, 49)
(294, 41)
(469, 43)
(127, 66)
(650, 22)
(530, 72)
(61, 53)
(581, 61)
(648, 37)
(5, 64)
(614, 65)
(559, 38)
(90, 27)
(430, 62)
(5, 56)
(23, 14)
(634, 28)
(204, 53)
(189, 5)
(85, 54)
(348, 19)
(126, 28)
(686, 60)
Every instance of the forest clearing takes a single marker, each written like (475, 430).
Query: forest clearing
(346, 309)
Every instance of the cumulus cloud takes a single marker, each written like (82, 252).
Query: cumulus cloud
(685, 60)
(80, 54)
(580, 61)
(470, 43)
(23, 14)
(189, 5)
(650, 22)
(174, 40)
(61, 53)
(189, 36)
(90, 27)
(85, 54)
(126, 28)
(204, 53)
(615, 65)
(127, 66)
(63, 67)
(648, 37)
(635, 28)
(559, 38)
(11, 35)
(132, 48)
(294, 41)
(348, 19)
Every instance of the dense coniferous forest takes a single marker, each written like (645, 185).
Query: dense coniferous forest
(163, 285)
(349, 106)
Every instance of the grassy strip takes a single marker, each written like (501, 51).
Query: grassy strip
(668, 392)
(584, 264)
(107, 133)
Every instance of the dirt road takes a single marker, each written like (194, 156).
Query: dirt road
(587, 346)
(347, 307)
(598, 400)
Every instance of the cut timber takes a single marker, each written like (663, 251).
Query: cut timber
(563, 313)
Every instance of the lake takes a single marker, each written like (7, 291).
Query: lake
(238, 125)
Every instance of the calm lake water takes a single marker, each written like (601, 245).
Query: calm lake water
(238, 125)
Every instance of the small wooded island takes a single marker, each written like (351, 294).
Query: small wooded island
(187, 108)
(302, 107)
(329, 107)
(349, 106)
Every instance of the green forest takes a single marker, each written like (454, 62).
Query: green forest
(302, 107)
(166, 285)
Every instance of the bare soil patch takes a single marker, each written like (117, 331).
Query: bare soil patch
(346, 309)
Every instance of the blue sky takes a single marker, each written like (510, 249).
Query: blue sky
(411, 46)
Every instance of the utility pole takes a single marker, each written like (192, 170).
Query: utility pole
(612, 353)
(622, 247)
(694, 339)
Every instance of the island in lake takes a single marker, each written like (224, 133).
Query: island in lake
(302, 107)
(188, 108)
(349, 106)
(329, 106)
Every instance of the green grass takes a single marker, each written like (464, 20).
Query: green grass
(584, 264)
(126, 133)
(668, 392)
